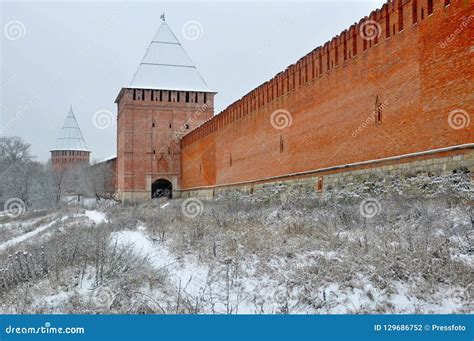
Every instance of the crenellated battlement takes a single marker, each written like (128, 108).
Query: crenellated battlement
(373, 31)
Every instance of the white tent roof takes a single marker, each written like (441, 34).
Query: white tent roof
(166, 66)
(70, 136)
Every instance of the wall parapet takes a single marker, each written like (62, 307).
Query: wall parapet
(373, 30)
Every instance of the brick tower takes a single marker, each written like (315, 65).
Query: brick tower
(166, 99)
(70, 148)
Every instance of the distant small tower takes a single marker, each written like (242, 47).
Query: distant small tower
(70, 148)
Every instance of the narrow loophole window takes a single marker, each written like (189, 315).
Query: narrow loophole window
(378, 111)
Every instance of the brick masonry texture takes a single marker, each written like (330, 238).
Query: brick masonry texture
(65, 159)
(349, 101)
(150, 124)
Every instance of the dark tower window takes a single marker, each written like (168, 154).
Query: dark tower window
(345, 48)
(186, 126)
(152, 94)
(415, 11)
(143, 94)
(400, 17)
(205, 97)
(177, 95)
(196, 98)
(281, 144)
(169, 96)
(161, 95)
(134, 94)
(430, 7)
(320, 64)
(187, 96)
(328, 60)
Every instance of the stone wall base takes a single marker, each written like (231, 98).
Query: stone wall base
(439, 165)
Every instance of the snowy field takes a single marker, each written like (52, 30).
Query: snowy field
(290, 253)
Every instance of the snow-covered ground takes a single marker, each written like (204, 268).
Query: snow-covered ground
(242, 257)
(96, 216)
(25, 236)
(184, 270)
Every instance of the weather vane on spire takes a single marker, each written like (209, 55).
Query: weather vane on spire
(162, 16)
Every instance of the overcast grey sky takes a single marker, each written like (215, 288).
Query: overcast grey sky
(55, 53)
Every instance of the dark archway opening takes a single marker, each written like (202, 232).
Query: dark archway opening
(162, 188)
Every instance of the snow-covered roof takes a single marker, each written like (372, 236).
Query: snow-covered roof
(166, 66)
(70, 136)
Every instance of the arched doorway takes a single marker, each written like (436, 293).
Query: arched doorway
(161, 188)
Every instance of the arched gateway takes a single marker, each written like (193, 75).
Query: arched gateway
(161, 188)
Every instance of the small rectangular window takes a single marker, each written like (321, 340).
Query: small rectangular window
(319, 184)
(187, 96)
(378, 111)
(430, 7)
(415, 11)
(400, 18)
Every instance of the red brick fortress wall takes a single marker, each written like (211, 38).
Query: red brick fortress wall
(398, 82)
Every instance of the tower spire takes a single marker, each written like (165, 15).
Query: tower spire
(162, 16)
(167, 66)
